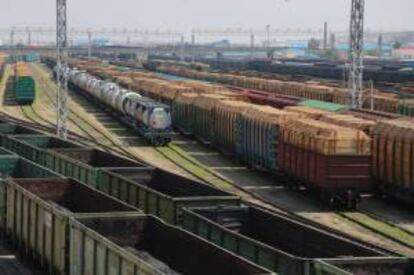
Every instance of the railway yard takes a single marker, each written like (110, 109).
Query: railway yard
(292, 154)
(380, 223)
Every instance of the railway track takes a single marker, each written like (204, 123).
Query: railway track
(381, 226)
(80, 122)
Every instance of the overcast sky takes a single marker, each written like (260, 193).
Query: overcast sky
(188, 14)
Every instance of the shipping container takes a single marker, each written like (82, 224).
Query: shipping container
(161, 193)
(38, 216)
(146, 245)
(280, 243)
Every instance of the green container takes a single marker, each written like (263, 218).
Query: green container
(25, 89)
(39, 212)
(161, 193)
(323, 105)
(67, 158)
(274, 241)
(36, 147)
(85, 164)
(19, 168)
(146, 245)
(13, 129)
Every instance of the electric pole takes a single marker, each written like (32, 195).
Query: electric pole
(356, 46)
(62, 64)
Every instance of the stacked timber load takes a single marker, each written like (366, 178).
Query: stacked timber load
(124, 81)
(226, 115)
(371, 115)
(182, 112)
(203, 115)
(310, 149)
(392, 157)
(200, 87)
(379, 101)
(348, 121)
(257, 134)
(305, 111)
(325, 138)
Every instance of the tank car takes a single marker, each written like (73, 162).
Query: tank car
(149, 118)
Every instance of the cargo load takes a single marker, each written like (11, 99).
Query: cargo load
(285, 245)
(227, 113)
(146, 245)
(348, 121)
(203, 116)
(182, 112)
(335, 161)
(306, 112)
(257, 135)
(392, 156)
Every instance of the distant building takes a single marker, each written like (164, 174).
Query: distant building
(404, 53)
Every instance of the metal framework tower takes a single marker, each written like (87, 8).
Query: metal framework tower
(62, 63)
(355, 84)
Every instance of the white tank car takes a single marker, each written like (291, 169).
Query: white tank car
(149, 117)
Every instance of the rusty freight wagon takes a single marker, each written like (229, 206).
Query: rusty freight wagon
(38, 216)
(288, 246)
(146, 245)
(335, 161)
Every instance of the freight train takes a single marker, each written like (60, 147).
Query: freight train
(375, 70)
(92, 221)
(151, 119)
(234, 122)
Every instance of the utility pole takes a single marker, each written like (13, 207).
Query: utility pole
(332, 41)
(12, 44)
(89, 44)
(62, 64)
(355, 82)
(325, 36)
(251, 45)
(29, 36)
(193, 41)
(380, 46)
(182, 48)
